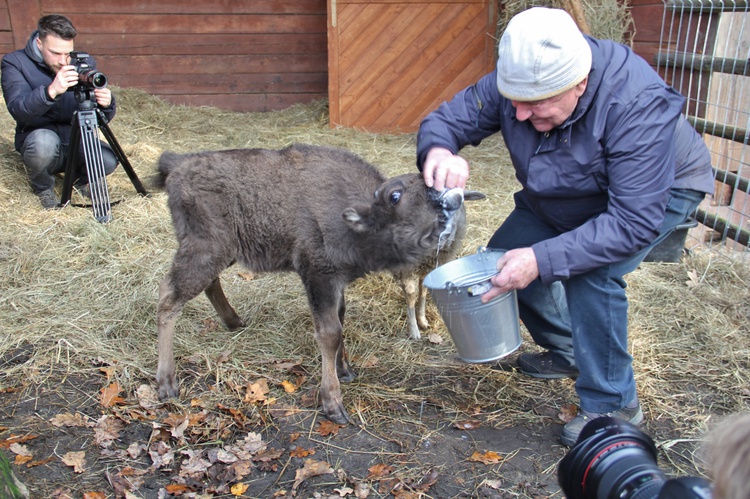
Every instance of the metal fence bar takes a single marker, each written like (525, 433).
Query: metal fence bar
(704, 53)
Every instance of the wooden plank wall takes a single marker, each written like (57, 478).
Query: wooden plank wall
(393, 61)
(243, 55)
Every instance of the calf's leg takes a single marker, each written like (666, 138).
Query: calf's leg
(218, 299)
(187, 278)
(327, 308)
(409, 283)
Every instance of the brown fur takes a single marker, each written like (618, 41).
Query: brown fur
(321, 212)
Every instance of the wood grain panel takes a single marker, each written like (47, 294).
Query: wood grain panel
(180, 6)
(391, 63)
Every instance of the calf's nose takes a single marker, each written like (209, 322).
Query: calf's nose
(451, 199)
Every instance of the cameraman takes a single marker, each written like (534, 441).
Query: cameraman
(35, 84)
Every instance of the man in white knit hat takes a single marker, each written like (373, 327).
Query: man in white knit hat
(608, 167)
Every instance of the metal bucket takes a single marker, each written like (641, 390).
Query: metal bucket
(482, 332)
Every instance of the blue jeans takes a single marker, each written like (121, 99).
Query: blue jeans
(44, 156)
(583, 321)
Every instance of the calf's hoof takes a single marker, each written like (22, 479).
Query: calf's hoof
(234, 323)
(338, 416)
(168, 388)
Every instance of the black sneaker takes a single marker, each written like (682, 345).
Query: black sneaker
(49, 199)
(571, 431)
(543, 365)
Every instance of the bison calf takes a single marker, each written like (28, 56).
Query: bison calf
(322, 212)
(410, 279)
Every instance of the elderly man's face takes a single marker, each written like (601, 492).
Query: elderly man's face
(55, 51)
(547, 114)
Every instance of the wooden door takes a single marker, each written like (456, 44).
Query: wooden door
(392, 62)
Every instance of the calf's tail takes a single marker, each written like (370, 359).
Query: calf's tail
(167, 161)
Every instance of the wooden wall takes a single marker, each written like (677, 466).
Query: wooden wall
(391, 62)
(243, 55)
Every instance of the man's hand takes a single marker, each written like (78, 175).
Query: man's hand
(64, 79)
(518, 268)
(103, 97)
(444, 170)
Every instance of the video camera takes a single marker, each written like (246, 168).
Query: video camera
(614, 459)
(88, 76)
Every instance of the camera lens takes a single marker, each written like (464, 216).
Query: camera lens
(92, 78)
(612, 459)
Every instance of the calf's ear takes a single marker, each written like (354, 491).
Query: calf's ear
(357, 218)
(473, 195)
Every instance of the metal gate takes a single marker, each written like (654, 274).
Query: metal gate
(705, 54)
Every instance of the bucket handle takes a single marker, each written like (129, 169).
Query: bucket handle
(477, 289)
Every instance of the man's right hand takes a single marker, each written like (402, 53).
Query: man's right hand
(444, 170)
(64, 79)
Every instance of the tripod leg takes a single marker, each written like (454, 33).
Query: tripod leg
(92, 153)
(107, 132)
(70, 162)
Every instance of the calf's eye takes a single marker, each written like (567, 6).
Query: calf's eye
(395, 197)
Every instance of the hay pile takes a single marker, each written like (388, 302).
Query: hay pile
(77, 294)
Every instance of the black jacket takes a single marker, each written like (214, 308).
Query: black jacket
(25, 78)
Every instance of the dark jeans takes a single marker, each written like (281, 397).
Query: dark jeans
(44, 156)
(583, 320)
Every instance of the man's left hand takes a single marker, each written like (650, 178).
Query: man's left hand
(103, 96)
(517, 269)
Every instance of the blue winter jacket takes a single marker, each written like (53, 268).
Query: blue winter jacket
(602, 178)
(25, 78)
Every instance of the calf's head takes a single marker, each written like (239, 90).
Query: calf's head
(412, 216)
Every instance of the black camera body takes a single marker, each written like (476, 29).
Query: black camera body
(88, 77)
(614, 459)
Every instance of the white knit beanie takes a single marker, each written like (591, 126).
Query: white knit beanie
(542, 53)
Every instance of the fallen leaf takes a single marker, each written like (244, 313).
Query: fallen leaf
(493, 484)
(239, 489)
(326, 428)
(311, 468)
(435, 338)
(147, 397)
(65, 419)
(161, 454)
(16, 439)
(75, 459)
(177, 489)
(488, 457)
(94, 495)
(361, 490)
(379, 471)
(256, 392)
(567, 412)
(344, 491)
(469, 424)
(20, 450)
(135, 449)
(301, 452)
(248, 276)
(427, 481)
(288, 386)
(107, 430)
(224, 357)
(179, 430)
(110, 395)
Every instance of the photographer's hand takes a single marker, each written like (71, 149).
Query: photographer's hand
(103, 97)
(64, 79)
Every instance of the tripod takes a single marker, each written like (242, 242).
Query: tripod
(87, 121)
